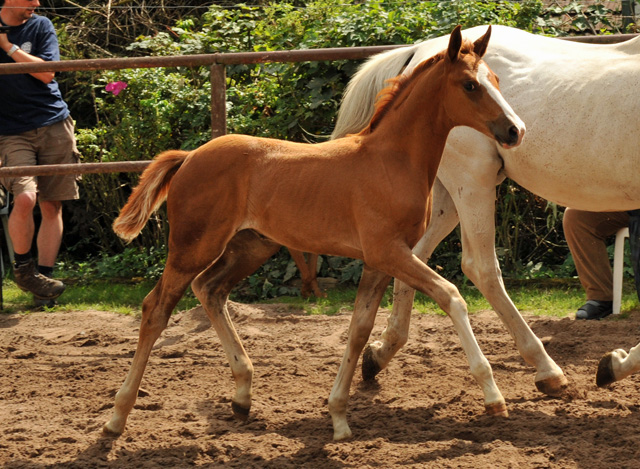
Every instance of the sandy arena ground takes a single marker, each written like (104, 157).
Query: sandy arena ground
(60, 372)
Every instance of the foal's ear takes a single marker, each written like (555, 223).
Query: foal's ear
(480, 46)
(455, 42)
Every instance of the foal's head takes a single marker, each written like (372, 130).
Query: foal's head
(473, 96)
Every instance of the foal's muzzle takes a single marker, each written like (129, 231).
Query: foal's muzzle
(508, 132)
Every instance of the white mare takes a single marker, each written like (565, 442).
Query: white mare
(580, 105)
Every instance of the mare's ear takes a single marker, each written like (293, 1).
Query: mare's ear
(480, 46)
(455, 42)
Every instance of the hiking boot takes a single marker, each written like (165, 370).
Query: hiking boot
(42, 287)
(594, 309)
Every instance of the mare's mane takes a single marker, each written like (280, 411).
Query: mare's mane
(396, 85)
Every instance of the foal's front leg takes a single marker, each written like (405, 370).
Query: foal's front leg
(406, 267)
(370, 291)
(379, 353)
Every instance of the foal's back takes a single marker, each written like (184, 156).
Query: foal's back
(313, 189)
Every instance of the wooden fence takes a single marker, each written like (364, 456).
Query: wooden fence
(217, 63)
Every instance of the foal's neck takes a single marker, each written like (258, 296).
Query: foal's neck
(416, 126)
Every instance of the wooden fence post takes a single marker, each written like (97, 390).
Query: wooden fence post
(628, 13)
(218, 100)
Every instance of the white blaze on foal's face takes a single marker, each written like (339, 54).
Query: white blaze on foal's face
(489, 82)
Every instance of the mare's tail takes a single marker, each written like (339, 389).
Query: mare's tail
(148, 194)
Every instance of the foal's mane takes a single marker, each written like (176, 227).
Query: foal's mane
(388, 95)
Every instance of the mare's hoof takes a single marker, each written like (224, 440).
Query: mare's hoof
(239, 412)
(554, 387)
(343, 434)
(604, 375)
(499, 409)
(107, 431)
(370, 367)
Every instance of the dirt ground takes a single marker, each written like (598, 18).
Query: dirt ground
(60, 371)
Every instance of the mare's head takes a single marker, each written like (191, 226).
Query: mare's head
(473, 96)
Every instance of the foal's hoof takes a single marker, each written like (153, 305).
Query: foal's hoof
(499, 409)
(554, 387)
(604, 375)
(370, 367)
(239, 412)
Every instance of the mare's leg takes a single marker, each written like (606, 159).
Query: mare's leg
(617, 365)
(370, 291)
(473, 193)
(401, 263)
(244, 254)
(156, 310)
(379, 353)
(307, 268)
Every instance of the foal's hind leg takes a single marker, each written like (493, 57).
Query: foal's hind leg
(156, 310)
(244, 254)
(370, 291)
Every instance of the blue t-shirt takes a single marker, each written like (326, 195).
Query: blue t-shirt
(25, 102)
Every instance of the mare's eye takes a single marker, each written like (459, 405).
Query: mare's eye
(469, 86)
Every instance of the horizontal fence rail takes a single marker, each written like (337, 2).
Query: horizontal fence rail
(75, 168)
(231, 58)
(220, 58)
(217, 62)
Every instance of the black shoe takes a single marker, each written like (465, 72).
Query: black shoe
(42, 287)
(594, 309)
(40, 303)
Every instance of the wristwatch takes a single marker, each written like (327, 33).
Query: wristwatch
(12, 50)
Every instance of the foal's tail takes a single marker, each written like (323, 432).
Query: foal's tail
(148, 194)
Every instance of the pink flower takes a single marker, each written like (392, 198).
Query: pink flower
(115, 87)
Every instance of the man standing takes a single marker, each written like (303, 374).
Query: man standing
(35, 128)
(586, 234)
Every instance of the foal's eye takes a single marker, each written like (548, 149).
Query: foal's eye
(469, 86)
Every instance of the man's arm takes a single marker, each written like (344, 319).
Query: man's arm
(20, 56)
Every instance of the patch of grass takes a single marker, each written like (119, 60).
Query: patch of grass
(338, 300)
(558, 298)
(101, 295)
(553, 297)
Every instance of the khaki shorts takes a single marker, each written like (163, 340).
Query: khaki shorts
(54, 144)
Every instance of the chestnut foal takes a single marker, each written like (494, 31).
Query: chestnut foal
(367, 196)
